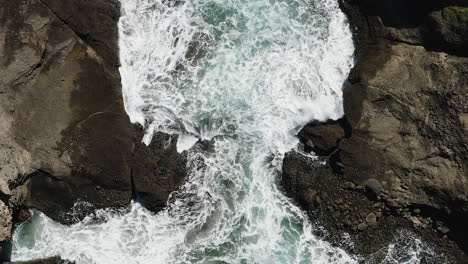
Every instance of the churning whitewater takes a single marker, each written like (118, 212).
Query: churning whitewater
(246, 75)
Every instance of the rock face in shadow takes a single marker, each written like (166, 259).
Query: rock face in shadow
(52, 260)
(406, 113)
(64, 133)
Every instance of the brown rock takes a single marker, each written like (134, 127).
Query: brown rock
(5, 222)
(362, 226)
(64, 133)
(374, 185)
(323, 138)
(371, 219)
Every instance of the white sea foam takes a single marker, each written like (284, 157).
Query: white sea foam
(247, 74)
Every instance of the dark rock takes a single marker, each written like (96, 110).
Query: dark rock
(5, 250)
(406, 106)
(373, 185)
(362, 226)
(371, 219)
(157, 171)
(93, 21)
(64, 134)
(51, 260)
(443, 229)
(323, 138)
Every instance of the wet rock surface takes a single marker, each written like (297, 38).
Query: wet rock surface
(64, 134)
(402, 160)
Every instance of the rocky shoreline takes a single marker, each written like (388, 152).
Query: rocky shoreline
(398, 159)
(64, 134)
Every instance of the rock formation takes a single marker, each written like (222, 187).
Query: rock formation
(64, 133)
(52, 260)
(402, 153)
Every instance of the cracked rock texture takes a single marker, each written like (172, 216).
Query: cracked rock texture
(64, 133)
(406, 113)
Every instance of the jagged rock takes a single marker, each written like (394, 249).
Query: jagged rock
(323, 138)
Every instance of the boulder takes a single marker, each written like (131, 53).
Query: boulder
(323, 138)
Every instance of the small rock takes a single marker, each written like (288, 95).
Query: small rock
(417, 211)
(415, 220)
(310, 196)
(362, 227)
(339, 164)
(378, 214)
(310, 143)
(339, 201)
(443, 229)
(373, 185)
(393, 203)
(348, 223)
(349, 185)
(371, 219)
(318, 200)
(23, 215)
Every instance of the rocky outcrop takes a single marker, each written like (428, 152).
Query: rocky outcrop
(64, 133)
(405, 154)
(52, 260)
